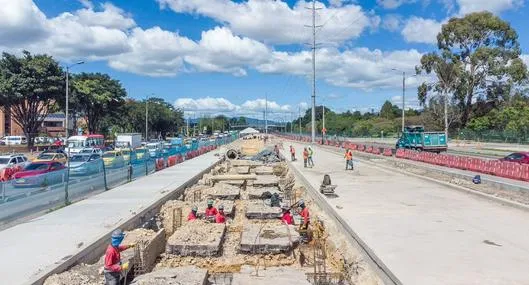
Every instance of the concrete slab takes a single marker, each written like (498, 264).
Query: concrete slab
(268, 238)
(270, 276)
(223, 191)
(56, 240)
(196, 238)
(426, 233)
(266, 180)
(242, 169)
(186, 275)
(259, 192)
(264, 170)
(257, 209)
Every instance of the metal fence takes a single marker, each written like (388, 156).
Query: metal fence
(28, 195)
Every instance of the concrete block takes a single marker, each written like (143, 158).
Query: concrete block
(257, 209)
(266, 180)
(196, 238)
(270, 276)
(257, 192)
(242, 169)
(268, 238)
(264, 170)
(153, 249)
(188, 275)
(224, 191)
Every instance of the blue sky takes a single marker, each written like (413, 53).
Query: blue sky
(222, 56)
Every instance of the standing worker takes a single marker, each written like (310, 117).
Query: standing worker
(193, 214)
(220, 218)
(304, 214)
(310, 161)
(113, 267)
(211, 212)
(292, 153)
(305, 157)
(349, 159)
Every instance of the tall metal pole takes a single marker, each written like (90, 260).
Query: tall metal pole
(266, 114)
(67, 100)
(403, 96)
(147, 119)
(299, 111)
(323, 129)
(313, 125)
(446, 116)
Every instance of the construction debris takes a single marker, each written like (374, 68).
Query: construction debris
(187, 275)
(196, 238)
(268, 238)
(257, 209)
(266, 156)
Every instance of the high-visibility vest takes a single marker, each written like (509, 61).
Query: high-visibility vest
(348, 155)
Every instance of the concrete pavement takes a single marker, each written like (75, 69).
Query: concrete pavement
(31, 250)
(426, 233)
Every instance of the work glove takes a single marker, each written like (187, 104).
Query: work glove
(125, 266)
(132, 245)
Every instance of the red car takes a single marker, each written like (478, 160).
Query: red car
(39, 174)
(520, 157)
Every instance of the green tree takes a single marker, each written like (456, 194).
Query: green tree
(479, 48)
(242, 121)
(30, 87)
(100, 96)
(387, 111)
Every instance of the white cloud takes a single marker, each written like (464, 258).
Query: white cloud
(391, 22)
(110, 17)
(410, 102)
(494, 6)
(221, 51)
(85, 33)
(261, 104)
(207, 104)
(213, 105)
(154, 52)
(393, 4)
(420, 30)
(274, 22)
(21, 22)
(355, 68)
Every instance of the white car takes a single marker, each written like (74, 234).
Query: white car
(91, 151)
(12, 160)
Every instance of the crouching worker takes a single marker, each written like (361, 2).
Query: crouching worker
(211, 212)
(193, 214)
(113, 267)
(220, 218)
(287, 217)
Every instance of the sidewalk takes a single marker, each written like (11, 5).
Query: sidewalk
(31, 250)
(426, 233)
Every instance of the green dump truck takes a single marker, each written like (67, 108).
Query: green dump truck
(414, 137)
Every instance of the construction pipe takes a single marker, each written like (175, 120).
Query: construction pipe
(232, 154)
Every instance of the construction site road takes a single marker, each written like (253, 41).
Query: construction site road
(424, 232)
(32, 250)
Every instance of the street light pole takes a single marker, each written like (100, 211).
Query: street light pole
(323, 131)
(147, 119)
(403, 97)
(66, 198)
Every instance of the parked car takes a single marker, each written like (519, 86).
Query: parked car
(520, 157)
(52, 156)
(91, 151)
(12, 160)
(39, 174)
(113, 159)
(15, 140)
(85, 164)
(128, 155)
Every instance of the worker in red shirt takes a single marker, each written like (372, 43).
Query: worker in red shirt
(211, 212)
(292, 153)
(304, 214)
(113, 267)
(193, 214)
(287, 217)
(220, 217)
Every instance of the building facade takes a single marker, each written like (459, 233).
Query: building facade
(53, 125)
